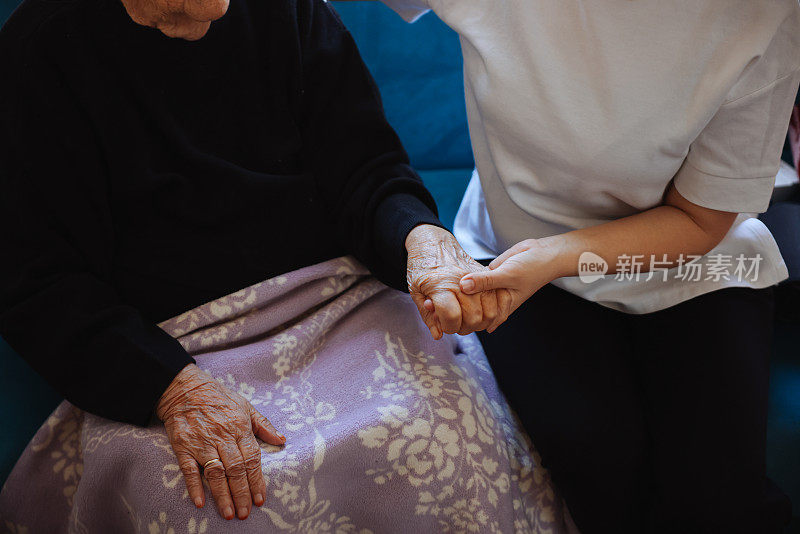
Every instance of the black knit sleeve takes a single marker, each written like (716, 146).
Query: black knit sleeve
(58, 308)
(374, 197)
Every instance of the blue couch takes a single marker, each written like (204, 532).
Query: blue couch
(418, 68)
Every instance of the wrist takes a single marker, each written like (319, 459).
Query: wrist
(189, 378)
(556, 256)
(426, 234)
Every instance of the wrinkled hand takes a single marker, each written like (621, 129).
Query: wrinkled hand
(522, 270)
(185, 19)
(436, 264)
(204, 420)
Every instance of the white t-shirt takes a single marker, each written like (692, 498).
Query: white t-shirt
(583, 112)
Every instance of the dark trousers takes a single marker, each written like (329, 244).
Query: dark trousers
(647, 423)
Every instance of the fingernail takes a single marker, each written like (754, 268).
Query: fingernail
(283, 438)
(468, 284)
(258, 499)
(198, 502)
(227, 512)
(433, 331)
(243, 513)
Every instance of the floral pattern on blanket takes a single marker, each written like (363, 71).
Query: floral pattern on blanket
(387, 430)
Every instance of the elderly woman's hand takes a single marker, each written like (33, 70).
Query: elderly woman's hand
(185, 19)
(210, 426)
(436, 264)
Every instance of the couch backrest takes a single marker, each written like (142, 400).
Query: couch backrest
(419, 72)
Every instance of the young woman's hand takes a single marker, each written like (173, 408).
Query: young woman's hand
(436, 264)
(209, 425)
(522, 270)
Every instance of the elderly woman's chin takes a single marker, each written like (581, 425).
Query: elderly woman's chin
(189, 20)
(182, 27)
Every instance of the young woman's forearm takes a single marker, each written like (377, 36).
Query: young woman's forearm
(665, 233)
(675, 230)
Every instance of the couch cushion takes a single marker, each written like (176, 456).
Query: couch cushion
(25, 402)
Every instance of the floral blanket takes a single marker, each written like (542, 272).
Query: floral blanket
(387, 430)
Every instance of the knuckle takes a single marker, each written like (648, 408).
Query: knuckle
(251, 449)
(470, 313)
(267, 423)
(242, 429)
(241, 494)
(451, 314)
(471, 321)
(214, 473)
(253, 462)
(236, 469)
(189, 467)
(260, 424)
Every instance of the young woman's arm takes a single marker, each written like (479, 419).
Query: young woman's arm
(676, 228)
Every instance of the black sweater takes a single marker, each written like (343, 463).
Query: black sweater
(141, 176)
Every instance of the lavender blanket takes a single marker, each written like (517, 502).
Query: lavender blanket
(387, 430)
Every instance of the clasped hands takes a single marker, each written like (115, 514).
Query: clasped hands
(457, 295)
(436, 266)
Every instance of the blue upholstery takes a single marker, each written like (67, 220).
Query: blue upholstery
(783, 426)
(25, 401)
(6, 7)
(418, 69)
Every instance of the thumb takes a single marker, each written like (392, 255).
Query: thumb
(486, 281)
(264, 430)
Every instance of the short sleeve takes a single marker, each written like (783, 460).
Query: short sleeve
(732, 164)
(410, 10)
